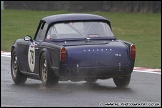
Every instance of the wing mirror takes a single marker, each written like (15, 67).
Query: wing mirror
(28, 38)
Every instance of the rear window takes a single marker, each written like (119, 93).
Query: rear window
(79, 30)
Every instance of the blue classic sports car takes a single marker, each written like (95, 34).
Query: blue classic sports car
(76, 47)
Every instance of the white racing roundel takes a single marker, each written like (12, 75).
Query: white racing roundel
(31, 57)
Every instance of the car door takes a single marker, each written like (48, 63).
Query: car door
(34, 48)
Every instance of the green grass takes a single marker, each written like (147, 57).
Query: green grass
(144, 30)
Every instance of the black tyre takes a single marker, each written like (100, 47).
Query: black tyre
(47, 76)
(122, 81)
(17, 76)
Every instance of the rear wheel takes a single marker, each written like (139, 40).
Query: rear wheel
(122, 81)
(47, 76)
(17, 76)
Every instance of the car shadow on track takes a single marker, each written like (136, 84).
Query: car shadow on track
(68, 86)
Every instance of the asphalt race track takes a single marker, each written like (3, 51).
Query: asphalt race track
(143, 90)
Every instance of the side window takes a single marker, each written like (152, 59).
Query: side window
(51, 34)
(42, 32)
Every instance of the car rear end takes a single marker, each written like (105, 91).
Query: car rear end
(114, 58)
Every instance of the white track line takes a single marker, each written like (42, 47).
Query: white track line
(147, 71)
(5, 56)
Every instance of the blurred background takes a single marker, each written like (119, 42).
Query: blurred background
(86, 6)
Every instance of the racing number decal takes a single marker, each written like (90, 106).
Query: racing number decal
(31, 57)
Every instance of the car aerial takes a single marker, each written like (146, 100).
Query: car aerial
(75, 47)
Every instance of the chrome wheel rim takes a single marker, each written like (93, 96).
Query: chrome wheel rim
(44, 70)
(14, 65)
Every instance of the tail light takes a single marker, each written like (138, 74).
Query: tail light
(63, 54)
(132, 52)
